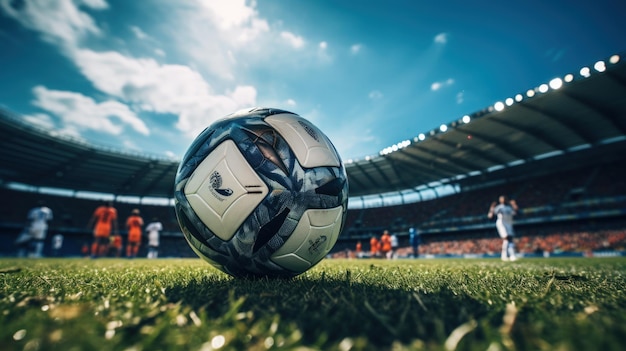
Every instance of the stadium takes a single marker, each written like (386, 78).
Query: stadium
(559, 149)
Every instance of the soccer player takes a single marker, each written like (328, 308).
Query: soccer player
(504, 212)
(38, 228)
(385, 244)
(134, 224)
(105, 219)
(359, 249)
(414, 238)
(57, 244)
(394, 245)
(153, 228)
(374, 247)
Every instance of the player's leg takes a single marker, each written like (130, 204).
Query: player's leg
(505, 246)
(511, 249)
(95, 246)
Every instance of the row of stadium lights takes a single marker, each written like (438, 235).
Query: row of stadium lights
(554, 84)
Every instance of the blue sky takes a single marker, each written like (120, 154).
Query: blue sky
(148, 76)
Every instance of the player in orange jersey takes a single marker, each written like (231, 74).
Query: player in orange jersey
(105, 219)
(374, 247)
(385, 244)
(134, 224)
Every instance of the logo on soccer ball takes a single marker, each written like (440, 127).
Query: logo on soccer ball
(310, 131)
(314, 246)
(216, 185)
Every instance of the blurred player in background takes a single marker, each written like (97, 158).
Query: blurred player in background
(153, 228)
(374, 247)
(38, 229)
(134, 224)
(414, 238)
(394, 245)
(504, 211)
(385, 244)
(105, 219)
(57, 244)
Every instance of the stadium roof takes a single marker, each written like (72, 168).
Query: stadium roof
(578, 119)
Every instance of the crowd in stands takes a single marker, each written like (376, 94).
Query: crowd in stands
(577, 191)
(541, 245)
(456, 224)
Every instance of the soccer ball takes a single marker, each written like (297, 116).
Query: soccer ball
(261, 193)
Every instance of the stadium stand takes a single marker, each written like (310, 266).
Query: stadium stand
(561, 154)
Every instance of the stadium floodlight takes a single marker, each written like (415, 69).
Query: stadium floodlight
(614, 59)
(585, 72)
(443, 128)
(530, 93)
(600, 66)
(466, 119)
(421, 136)
(519, 97)
(543, 88)
(556, 83)
(509, 101)
(568, 77)
(498, 106)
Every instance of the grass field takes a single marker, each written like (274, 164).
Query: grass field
(111, 304)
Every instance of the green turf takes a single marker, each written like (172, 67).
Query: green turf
(111, 304)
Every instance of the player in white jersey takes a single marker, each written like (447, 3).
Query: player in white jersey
(394, 246)
(504, 212)
(38, 227)
(153, 228)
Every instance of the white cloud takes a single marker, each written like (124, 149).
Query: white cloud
(375, 95)
(290, 102)
(76, 109)
(323, 45)
(229, 14)
(438, 85)
(160, 88)
(460, 97)
(355, 48)
(41, 120)
(84, 113)
(139, 34)
(95, 4)
(59, 22)
(441, 38)
(295, 41)
(238, 34)
(235, 30)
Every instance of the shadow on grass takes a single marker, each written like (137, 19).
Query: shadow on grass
(333, 309)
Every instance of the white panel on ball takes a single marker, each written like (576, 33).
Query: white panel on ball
(311, 146)
(320, 228)
(224, 190)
